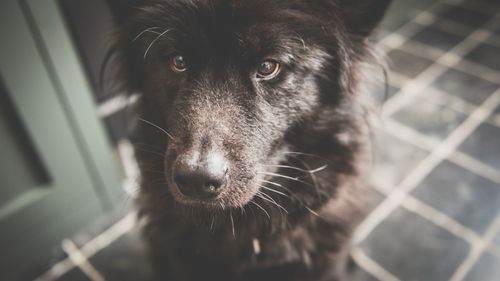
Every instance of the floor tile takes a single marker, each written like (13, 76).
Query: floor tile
(497, 240)
(124, 260)
(378, 35)
(416, 47)
(359, 274)
(375, 199)
(466, 86)
(417, 250)
(487, 268)
(487, 55)
(495, 117)
(382, 92)
(56, 255)
(433, 120)
(99, 226)
(484, 145)
(74, 275)
(464, 196)
(485, 6)
(437, 38)
(402, 11)
(462, 15)
(390, 150)
(440, 97)
(407, 64)
(496, 31)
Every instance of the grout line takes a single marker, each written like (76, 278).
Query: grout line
(435, 216)
(493, 249)
(494, 40)
(408, 134)
(478, 70)
(467, 264)
(423, 142)
(398, 79)
(477, 250)
(109, 236)
(453, 27)
(369, 265)
(456, 104)
(470, 67)
(495, 120)
(450, 58)
(91, 248)
(441, 219)
(431, 52)
(81, 261)
(57, 270)
(476, 166)
(438, 154)
(394, 40)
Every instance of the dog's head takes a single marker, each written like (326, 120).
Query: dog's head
(230, 79)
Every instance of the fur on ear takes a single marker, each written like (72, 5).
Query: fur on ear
(362, 16)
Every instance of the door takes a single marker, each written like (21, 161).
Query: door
(57, 173)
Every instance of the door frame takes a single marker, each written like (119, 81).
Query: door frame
(68, 72)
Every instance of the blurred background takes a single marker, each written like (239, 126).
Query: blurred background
(67, 173)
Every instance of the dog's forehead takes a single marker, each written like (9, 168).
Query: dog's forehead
(235, 29)
(224, 26)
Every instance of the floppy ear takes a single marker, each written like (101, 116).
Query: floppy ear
(362, 16)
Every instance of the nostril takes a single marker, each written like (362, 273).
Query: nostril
(211, 186)
(197, 183)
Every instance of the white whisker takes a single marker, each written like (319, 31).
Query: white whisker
(273, 190)
(279, 175)
(158, 127)
(311, 211)
(298, 199)
(300, 169)
(287, 177)
(275, 184)
(145, 31)
(154, 41)
(261, 195)
(302, 153)
(232, 223)
(212, 224)
(260, 207)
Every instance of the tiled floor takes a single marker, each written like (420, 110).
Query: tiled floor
(437, 168)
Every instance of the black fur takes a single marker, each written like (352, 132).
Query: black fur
(272, 132)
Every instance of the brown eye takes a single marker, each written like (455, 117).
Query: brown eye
(268, 69)
(178, 63)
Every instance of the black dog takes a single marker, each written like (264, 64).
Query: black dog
(252, 141)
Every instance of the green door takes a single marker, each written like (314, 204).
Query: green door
(56, 170)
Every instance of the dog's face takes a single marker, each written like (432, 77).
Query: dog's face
(229, 80)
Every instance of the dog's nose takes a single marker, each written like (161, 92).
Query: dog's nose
(200, 181)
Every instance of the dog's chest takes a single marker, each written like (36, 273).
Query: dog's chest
(242, 254)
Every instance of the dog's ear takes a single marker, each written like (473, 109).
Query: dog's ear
(362, 16)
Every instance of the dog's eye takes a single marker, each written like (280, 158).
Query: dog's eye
(268, 69)
(178, 63)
